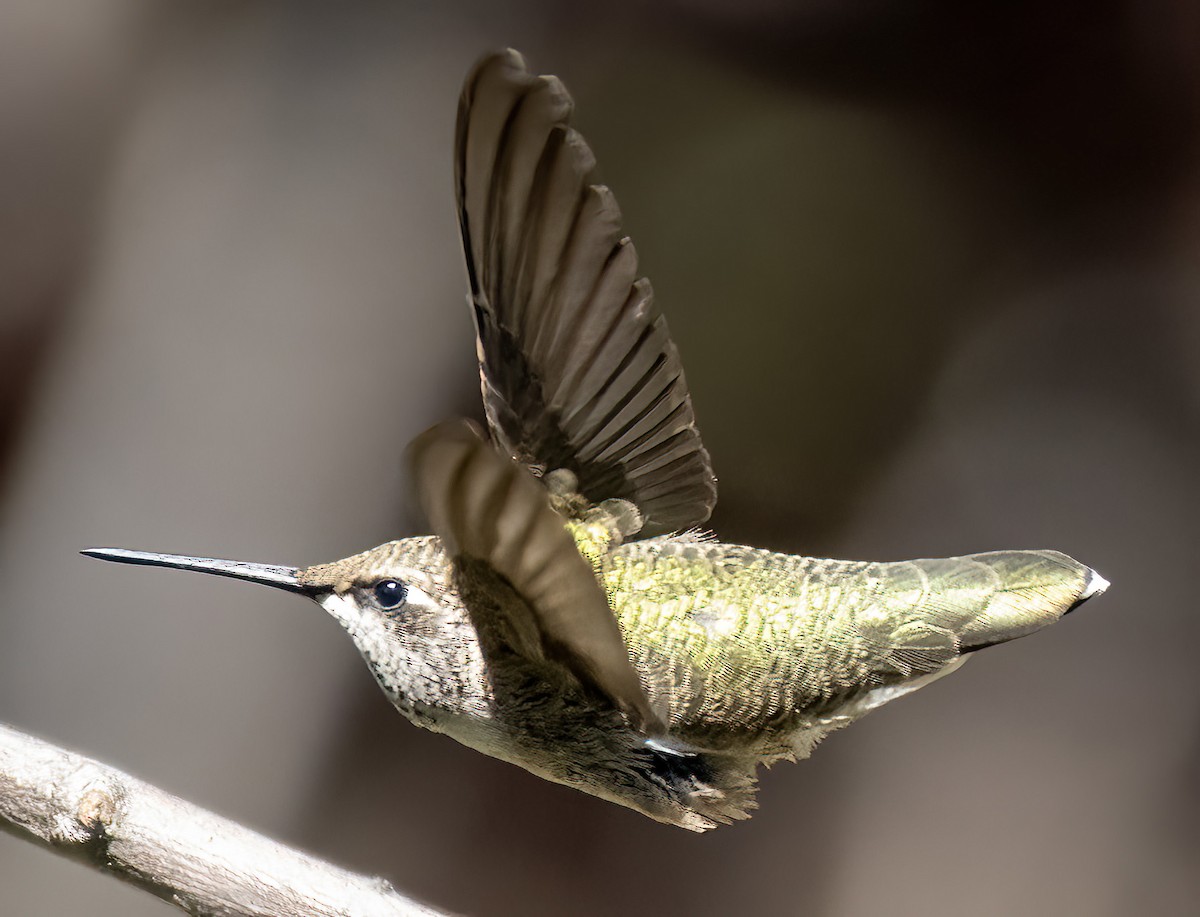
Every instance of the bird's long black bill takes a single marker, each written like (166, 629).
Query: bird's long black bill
(267, 574)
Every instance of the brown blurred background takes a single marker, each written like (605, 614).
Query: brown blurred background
(932, 267)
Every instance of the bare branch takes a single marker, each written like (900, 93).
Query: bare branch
(198, 861)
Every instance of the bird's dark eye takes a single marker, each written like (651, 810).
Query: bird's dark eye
(390, 594)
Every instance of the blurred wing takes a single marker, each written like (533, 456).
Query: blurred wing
(491, 509)
(577, 367)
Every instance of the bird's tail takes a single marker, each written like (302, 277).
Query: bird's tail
(916, 621)
(1031, 589)
(928, 612)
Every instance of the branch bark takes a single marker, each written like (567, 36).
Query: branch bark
(186, 855)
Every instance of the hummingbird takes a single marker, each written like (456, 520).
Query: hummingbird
(568, 614)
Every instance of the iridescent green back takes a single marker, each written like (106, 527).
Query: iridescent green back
(733, 641)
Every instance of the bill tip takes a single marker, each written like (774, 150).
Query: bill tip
(102, 553)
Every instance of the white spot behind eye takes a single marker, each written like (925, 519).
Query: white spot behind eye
(415, 596)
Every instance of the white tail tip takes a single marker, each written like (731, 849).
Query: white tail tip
(1096, 584)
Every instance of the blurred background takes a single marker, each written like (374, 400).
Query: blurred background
(958, 240)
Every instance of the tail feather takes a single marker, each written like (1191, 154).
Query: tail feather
(926, 613)
(1033, 589)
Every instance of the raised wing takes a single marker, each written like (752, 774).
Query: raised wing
(577, 368)
(489, 508)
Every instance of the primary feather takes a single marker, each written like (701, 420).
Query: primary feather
(577, 368)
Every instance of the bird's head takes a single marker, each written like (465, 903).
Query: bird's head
(398, 602)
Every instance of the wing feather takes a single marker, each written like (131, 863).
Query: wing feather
(489, 508)
(577, 367)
